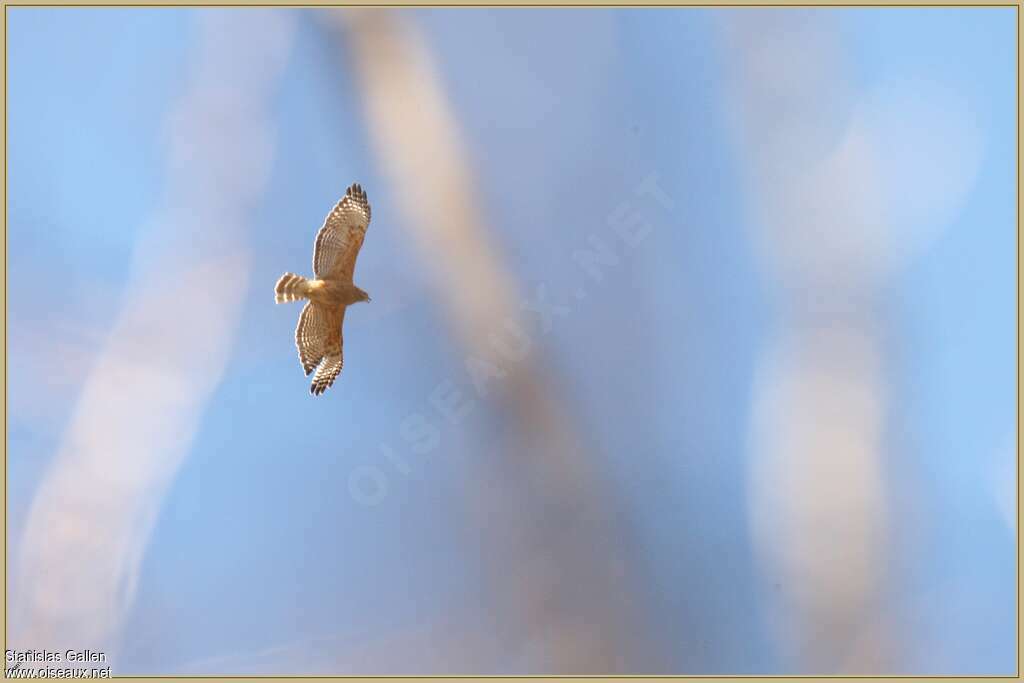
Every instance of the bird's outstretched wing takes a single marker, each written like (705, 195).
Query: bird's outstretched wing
(341, 237)
(327, 372)
(318, 339)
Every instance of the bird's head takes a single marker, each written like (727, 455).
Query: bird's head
(363, 296)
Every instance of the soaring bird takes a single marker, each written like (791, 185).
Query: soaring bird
(318, 335)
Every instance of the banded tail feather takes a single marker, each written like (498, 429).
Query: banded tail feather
(291, 287)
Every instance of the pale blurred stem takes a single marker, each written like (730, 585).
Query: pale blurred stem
(82, 546)
(553, 553)
(819, 509)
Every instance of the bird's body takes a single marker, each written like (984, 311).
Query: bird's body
(318, 336)
(327, 292)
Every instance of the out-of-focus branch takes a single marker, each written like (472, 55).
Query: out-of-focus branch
(849, 181)
(558, 600)
(80, 551)
(817, 497)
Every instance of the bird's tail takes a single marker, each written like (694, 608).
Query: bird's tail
(291, 287)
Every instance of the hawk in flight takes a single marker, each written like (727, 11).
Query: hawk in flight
(318, 334)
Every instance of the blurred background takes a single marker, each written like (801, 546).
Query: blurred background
(691, 349)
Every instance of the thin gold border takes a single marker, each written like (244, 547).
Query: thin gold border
(6, 270)
(581, 4)
(590, 4)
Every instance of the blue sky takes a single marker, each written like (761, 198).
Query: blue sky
(258, 543)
